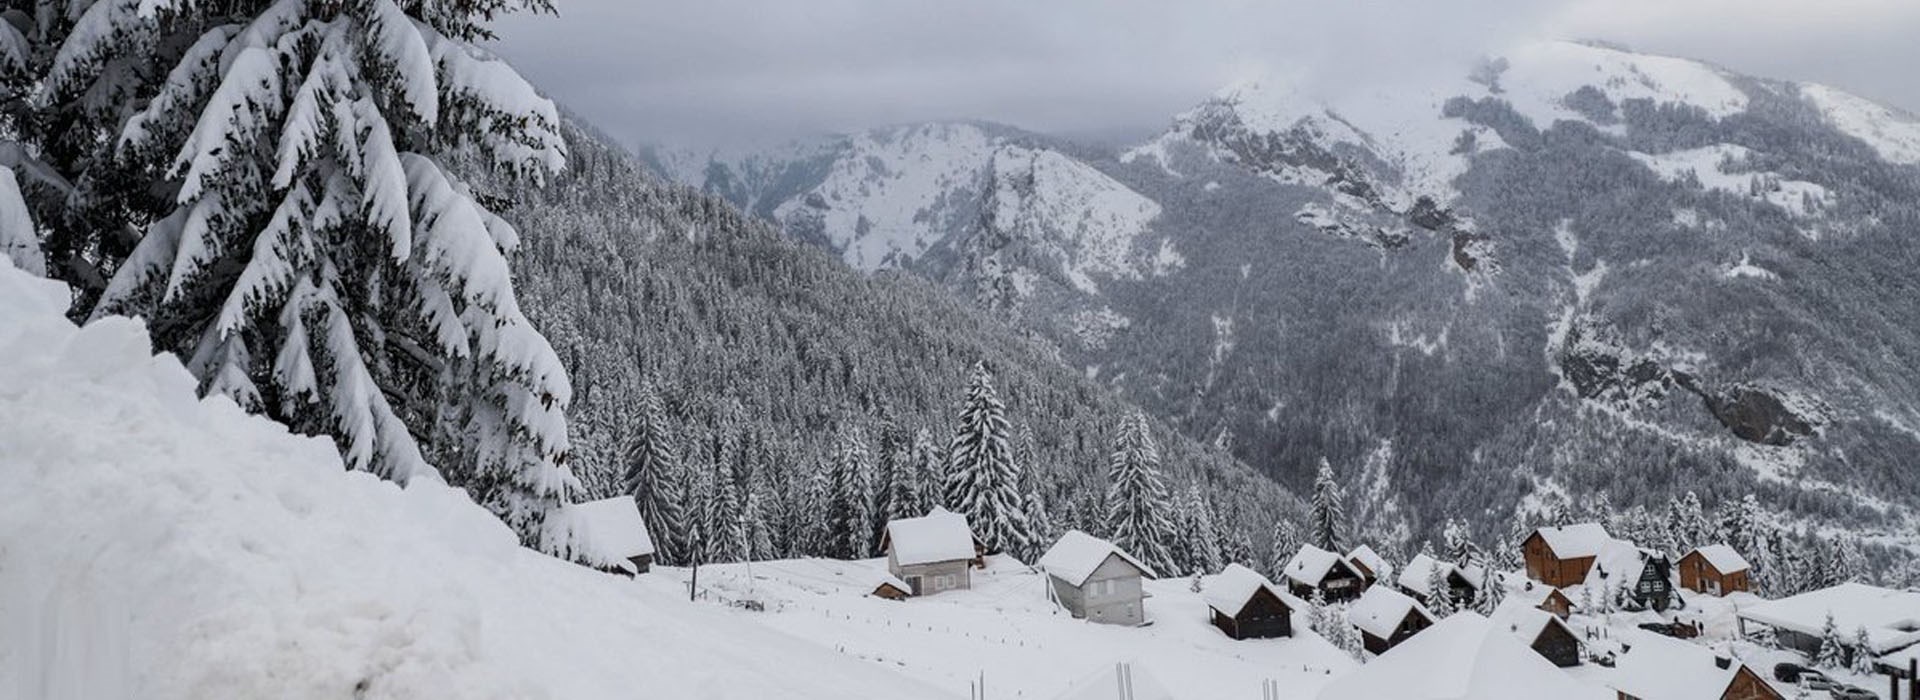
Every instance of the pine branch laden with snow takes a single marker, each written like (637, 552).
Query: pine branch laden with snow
(982, 481)
(19, 241)
(1137, 516)
(317, 260)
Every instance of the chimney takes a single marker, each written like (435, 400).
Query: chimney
(1723, 662)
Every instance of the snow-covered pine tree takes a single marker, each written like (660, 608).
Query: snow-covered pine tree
(727, 525)
(906, 489)
(653, 476)
(1040, 521)
(1486, 598)
(1326, 526)
(1860, 653)
(269, 184)
(928, 463)
(1137, 507)
(1439, 593)
(1285, 542)
(1460, 547)
(1319, 616)
(1237, 548)
(1832, 653)
(1202, 540)
(1686, 523)
(982, 480)
(850, 513)
(754, 522)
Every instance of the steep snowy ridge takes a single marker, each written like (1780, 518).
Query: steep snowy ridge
(1086, 221)
(153, 545)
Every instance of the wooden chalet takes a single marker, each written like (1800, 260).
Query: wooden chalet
(1463, 584)
(1245, 605)
(1386, 617)
(1313, 569)
(1715, 570)
(1544, 597)
(1656, 667)
(1373, 568)
(1541, 631)
(1646, 575)
(1561, 556)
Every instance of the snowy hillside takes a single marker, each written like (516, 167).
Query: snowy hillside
(153, 545)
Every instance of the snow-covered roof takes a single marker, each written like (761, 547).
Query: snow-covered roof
(1414, 578)
(1891, 617)
(1078, 554)
(1618, 560)
(1229, 590)
(1533, 593)
(1662, 668)
(1129, 680)
(941, 535)
(1381, 609)
(1524, 620)
(1575, 541)
(1310, 565)
(1461, 658)
(1365, 556)
(606, 532)
(1722, 558)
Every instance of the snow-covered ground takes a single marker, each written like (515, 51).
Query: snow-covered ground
(1006, 629)
(153, 545)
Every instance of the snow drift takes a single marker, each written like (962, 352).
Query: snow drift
(156, 545)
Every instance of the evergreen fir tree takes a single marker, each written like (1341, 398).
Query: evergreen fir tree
(850, 514)
(1439, 594)
(653, 476)
(931, 479)
(1198, 532)
(1286, 543)
(1861, 652)
(272, 190)
(1136, 499)
(982, 480)
(1832, 654)
(1326, 527)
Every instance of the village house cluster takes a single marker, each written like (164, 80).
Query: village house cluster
(1402, 621)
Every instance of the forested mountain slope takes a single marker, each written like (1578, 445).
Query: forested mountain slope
(772, 357)
(1572, 272)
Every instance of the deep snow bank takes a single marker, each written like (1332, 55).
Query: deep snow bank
(154, 545)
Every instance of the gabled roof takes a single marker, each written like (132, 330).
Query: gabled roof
(1231, 589)
(1311, 564)
(1365, 556)
(1077, 555)
(1722, 558)
(1525, 621)
(604, 533)
(1414, 578)
(1575, 541)
(1461, 658)
(1661, 668)
(1619, 560)
(941, 535)
(1534, 593)
(1381, 609)
(1891, 617)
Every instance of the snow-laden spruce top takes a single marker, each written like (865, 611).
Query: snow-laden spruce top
(1381, 609)
(1891, 617)
(1311, 564)
(1230, 590)
(941, 535)
(1723, 558)
(1078, 554)
(159, 546)
(1661, 668)
(1575, 541)
(1461, 658)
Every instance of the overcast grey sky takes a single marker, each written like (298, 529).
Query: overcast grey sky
(710, 72)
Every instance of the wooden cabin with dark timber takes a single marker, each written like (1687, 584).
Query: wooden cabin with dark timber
(1313, 569)
(1561, 556)
(1715, 570)
(1373, 568)
(1386, 617)
(1655, 667)
(1541, 631)
(1245, 605)
(1544, 597)
(1644, 574)
(1463, 583)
